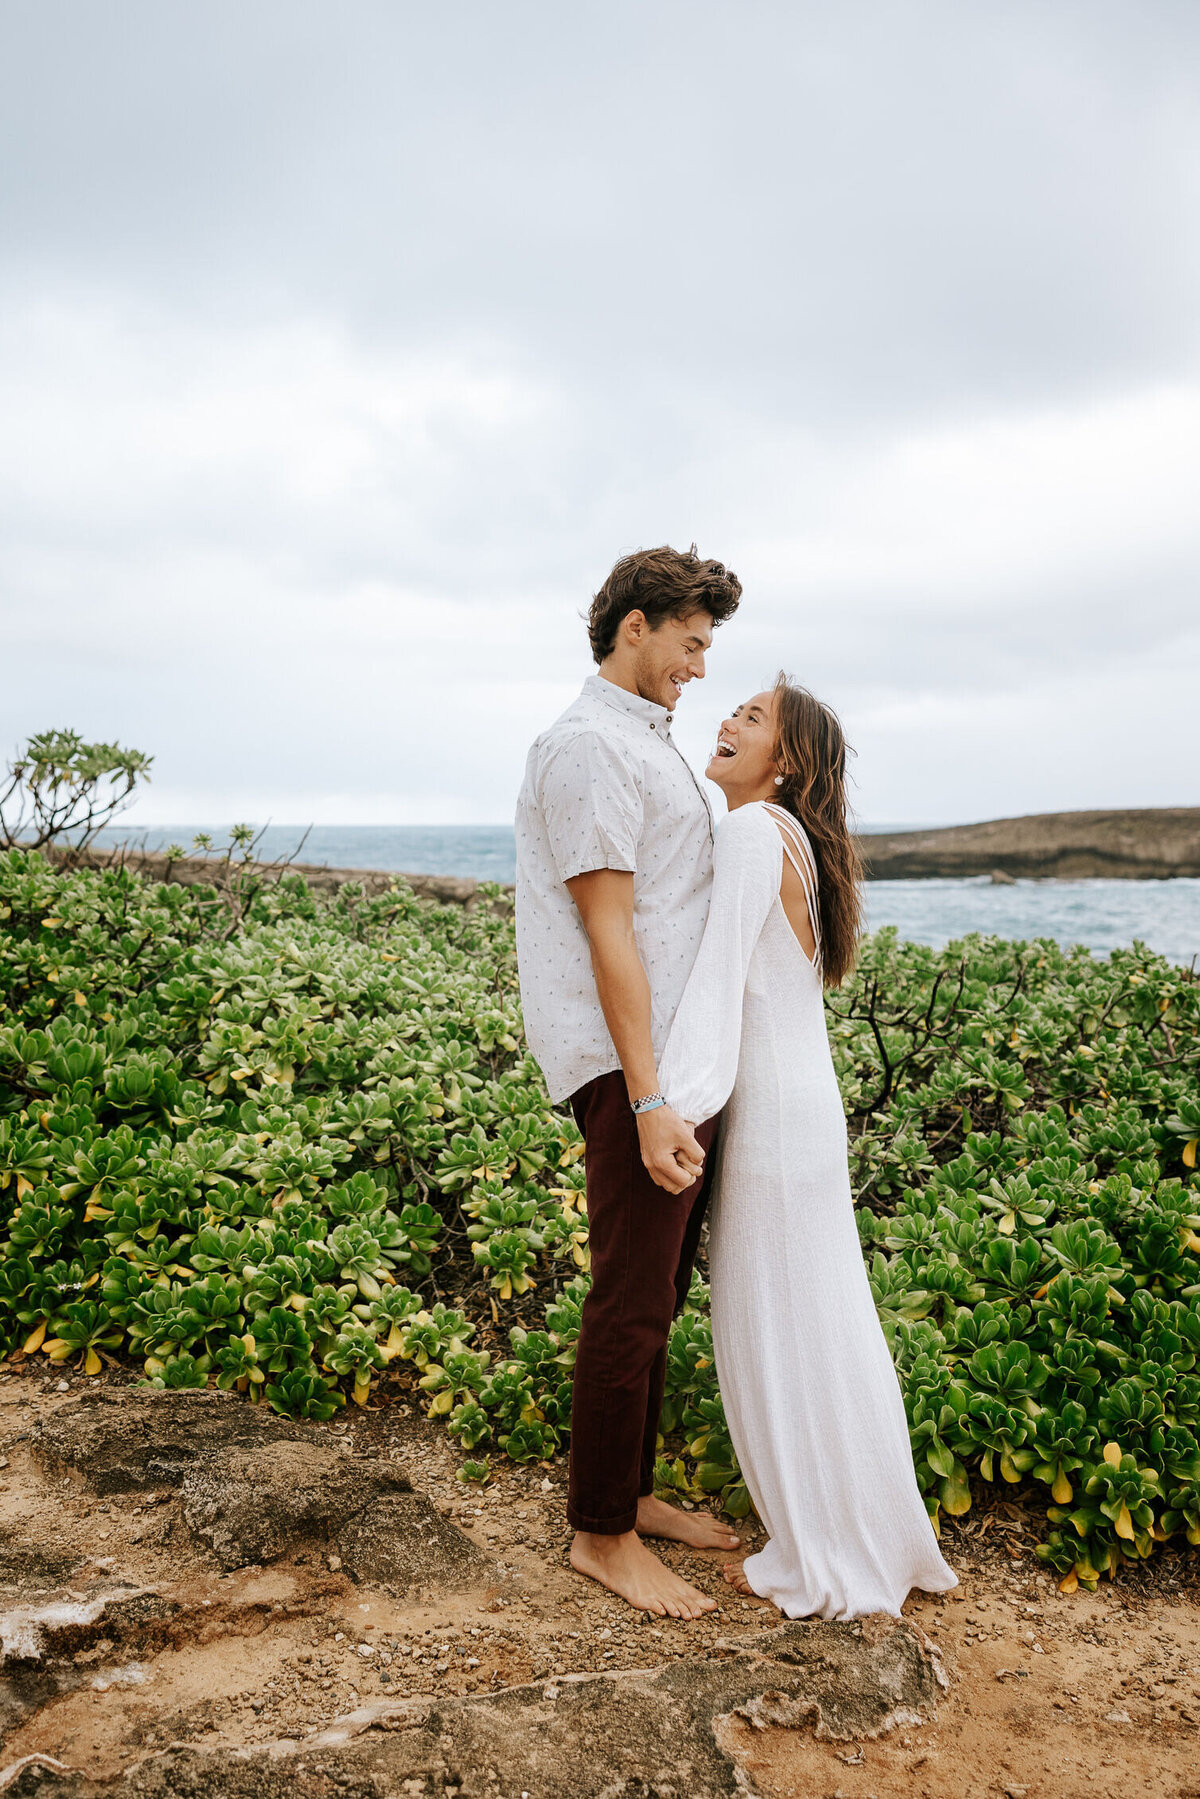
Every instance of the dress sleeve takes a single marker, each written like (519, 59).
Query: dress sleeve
(699, 1064)
(592, 805)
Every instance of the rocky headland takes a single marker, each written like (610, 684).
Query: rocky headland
(1153, 843)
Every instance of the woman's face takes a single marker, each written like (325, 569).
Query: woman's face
(743, 764)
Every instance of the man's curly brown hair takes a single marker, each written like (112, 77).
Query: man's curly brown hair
(662, 583)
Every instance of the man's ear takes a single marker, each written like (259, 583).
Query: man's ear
(634, 626)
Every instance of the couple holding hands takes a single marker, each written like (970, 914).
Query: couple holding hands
(672, 980)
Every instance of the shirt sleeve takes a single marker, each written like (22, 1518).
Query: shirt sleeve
(591, 801)
(700, 1061)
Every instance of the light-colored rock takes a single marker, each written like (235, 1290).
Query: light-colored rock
(658, 1734)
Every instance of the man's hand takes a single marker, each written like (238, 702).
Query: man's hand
(671, 1154)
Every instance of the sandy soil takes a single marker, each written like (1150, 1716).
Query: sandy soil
(1050, 1695)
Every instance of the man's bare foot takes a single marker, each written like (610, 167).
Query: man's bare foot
(655, 1518)
(626, 1567)
(737, 1580)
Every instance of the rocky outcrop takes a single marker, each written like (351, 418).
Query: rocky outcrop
(662, 1733)
(404, 1543)
(131, 1440)
(1152, 844)
(256, 1487)
(250, 1504)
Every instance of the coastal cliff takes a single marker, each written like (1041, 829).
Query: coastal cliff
(1154, 843)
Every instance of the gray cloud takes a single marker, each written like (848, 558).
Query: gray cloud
(347, 348)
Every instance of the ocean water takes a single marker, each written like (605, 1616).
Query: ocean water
(486, 852)
(1102, 915)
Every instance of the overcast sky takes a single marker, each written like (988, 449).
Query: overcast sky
(346, 345)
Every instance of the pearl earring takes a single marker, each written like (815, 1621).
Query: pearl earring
(779, 780)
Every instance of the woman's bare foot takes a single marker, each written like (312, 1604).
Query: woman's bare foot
(626, 1567)
(655, 1518)
(732, 1572)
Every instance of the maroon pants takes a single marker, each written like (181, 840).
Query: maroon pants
(643, 1242)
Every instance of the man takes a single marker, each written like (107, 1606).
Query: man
(614, 869)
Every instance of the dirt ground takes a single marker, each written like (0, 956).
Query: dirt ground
(1050, 1695)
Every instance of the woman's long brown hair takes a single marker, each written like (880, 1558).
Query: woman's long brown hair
(811, 751)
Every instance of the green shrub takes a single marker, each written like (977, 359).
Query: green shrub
(290, 1145)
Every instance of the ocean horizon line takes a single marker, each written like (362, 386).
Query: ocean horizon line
(1102, 914)
(116, 832)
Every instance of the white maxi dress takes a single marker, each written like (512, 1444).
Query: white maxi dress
(811, 1397)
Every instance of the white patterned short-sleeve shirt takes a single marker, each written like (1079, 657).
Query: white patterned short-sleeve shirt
(605, 787)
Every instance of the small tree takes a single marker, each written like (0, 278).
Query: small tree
(60, 786)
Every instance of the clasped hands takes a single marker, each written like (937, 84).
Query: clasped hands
(672, 1156)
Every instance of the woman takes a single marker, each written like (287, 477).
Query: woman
(812, 1400)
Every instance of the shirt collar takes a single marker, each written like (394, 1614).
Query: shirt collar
(632, 704)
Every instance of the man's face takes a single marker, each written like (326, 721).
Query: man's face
(671, 656)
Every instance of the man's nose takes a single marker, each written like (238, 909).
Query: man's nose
(696, 665)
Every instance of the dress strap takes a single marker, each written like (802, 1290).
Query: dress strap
(798, 851)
